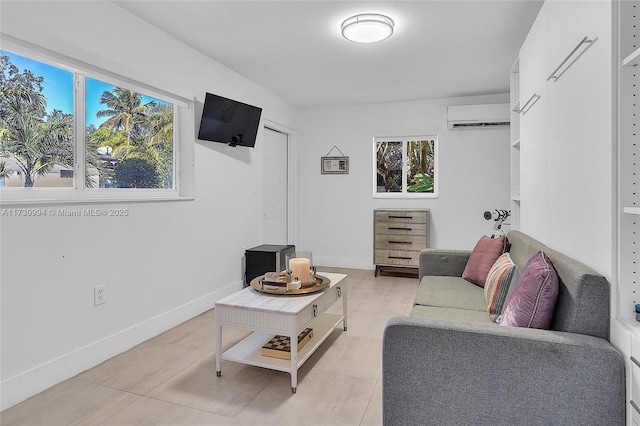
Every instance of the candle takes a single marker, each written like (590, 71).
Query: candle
(300, 268)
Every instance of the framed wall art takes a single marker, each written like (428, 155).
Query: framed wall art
(334, 165)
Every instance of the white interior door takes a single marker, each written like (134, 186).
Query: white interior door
(274, 203)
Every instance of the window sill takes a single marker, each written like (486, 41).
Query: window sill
(48, 196)
(403, 195)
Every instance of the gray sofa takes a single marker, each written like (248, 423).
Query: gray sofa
(448, 364)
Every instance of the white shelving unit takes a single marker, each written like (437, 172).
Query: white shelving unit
(514, 151)
(629, 163)
(625, 333)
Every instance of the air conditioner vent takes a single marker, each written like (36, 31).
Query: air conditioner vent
(488, 116)
(467, 125)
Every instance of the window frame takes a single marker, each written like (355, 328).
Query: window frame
(405, 139)
(183, 133)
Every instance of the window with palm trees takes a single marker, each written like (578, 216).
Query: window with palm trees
(405, 167)
(133, 134)
(36, 136)
(127, 142)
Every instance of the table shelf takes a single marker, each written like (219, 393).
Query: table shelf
(248, 350)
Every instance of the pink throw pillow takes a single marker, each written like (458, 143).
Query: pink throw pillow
(496, 288)
(533, 299)
(482, 258)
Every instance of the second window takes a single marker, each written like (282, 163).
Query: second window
(405, 167)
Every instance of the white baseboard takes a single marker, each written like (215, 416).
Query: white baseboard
(344, 262)
(16, 389)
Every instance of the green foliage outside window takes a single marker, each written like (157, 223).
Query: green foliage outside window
(136, 173)
(421, 183)
(405, 165)
(34, 141)
(136, 130)
(420, 166)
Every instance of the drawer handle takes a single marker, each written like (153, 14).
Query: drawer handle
(399, 257)
(635, 361)
(399, 242)
(339, 291)
(400, 217)
(635, 406)
(315, 310)
(399, 229)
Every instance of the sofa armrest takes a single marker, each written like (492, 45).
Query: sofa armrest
(443, 262)
(444, 372)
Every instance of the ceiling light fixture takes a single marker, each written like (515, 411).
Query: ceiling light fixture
(367, 28)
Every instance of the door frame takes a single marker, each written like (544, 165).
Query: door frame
(292, 181)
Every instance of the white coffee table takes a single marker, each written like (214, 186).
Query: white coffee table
(284, 315)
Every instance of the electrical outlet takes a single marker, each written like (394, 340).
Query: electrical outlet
(98, 295)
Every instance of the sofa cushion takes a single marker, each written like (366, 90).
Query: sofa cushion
(497, 285)
(533, 299)
(483, 256)
(450, 292)
(436, 312)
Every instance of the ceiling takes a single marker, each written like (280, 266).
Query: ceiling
(294, 48)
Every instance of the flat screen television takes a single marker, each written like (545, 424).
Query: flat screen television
(227, 121)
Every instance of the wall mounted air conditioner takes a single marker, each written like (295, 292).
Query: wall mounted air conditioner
(478, 116)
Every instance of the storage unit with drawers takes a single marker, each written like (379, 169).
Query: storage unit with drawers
(399, 235)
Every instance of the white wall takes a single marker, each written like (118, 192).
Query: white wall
(336, 211)
(162, 264)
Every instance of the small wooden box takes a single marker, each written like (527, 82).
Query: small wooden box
(280, 346)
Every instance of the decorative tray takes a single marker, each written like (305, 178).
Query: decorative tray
(321, 283)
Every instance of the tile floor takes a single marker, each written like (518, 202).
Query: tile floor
(171, 379)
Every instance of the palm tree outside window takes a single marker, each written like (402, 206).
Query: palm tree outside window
(128, 140)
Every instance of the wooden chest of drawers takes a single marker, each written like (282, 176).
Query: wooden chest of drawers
(398, 237)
